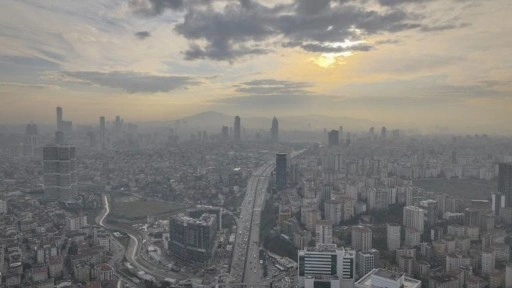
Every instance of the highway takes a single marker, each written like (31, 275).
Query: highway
(133, 250)
(245, 266)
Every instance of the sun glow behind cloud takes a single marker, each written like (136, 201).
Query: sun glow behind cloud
(328, 60)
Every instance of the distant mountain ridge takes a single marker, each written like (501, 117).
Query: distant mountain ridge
(214, 119)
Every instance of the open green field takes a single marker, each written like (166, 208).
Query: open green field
(139, 208)
(461, 188)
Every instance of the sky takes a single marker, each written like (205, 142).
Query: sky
(408, 63)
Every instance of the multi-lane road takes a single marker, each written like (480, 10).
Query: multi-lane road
(245, 266)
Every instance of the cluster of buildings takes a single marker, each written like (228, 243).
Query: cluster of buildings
(43, 245)
(441, 240)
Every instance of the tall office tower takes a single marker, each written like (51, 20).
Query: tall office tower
(323, 232)
(383, 132)
(59, 118)
(488, 261)
(341, 134)
(103, 133)
(366, 261)
(371, 132)
(31, 139)
(67, 129)
(281, 173)
(505, 182)
(59, 172)
(225, 132)
(471, 217)
(333, 138)
(117, 126)
(237, 128)
(393, 236)
(361, 238)
(192, 240)
(498, 202)
(326, 266)
(274, 131)
(59, 138)
(414, 217)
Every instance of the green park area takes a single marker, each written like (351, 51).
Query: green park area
(460, 188)
(142, 208)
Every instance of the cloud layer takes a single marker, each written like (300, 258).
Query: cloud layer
(235, 29)
(131, 82)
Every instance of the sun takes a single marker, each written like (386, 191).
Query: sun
(328, 60)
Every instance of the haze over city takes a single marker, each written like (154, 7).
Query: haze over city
(249, 144)
(413, 64)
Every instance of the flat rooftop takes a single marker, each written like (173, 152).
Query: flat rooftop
(366, 280)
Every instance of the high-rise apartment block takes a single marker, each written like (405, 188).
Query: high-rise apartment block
(393, 236)
(361, 238)
(192, 240)
(59, 169)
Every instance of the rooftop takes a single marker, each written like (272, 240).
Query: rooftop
(370, 280)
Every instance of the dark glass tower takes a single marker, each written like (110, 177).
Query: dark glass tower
(281, 173)
(505, 182)
(334, 138)
(237, 128)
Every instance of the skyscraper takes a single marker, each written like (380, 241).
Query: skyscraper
(505, 182)
(275, 130)
(225, 132)
(59, 118)
(31, 139)
(334, 138)
(281, 173)
(103, 134)
(383, 132)
(59, 168)
(237, 128)
(326, 266)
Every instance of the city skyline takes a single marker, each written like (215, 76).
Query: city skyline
(157, 60)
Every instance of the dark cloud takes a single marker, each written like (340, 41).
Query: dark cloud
(142, 34)
(322, 48)
(271, 87)
(132, 82)
(234, 30)
(155, 7)
(442, 27)
(262, 93)
(400, 2)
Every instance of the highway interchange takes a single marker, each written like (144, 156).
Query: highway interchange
(133, 250)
